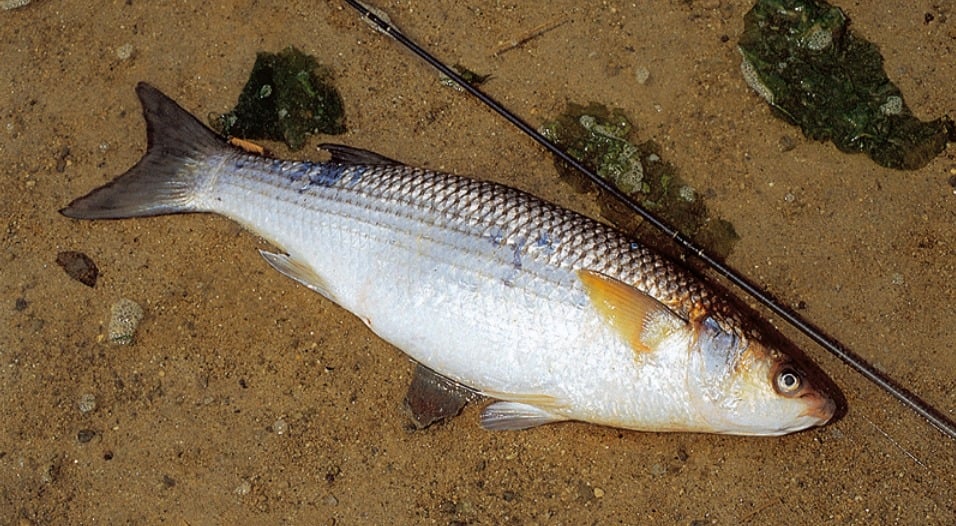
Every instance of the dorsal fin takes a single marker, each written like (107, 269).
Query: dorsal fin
(640, 319)
(348, 155)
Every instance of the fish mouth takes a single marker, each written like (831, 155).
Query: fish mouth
(819, 407)
(824, 401)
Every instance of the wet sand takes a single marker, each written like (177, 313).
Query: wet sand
(248, 399)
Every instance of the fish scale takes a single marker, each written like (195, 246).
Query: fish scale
(473, 208)
(555, 315)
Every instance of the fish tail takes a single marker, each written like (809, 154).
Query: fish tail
(168, 178)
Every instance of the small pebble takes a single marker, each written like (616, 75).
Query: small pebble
(125, 52)
(687, 194)
(62, 159)
(49, 472)
(280, 427)
(125, 316)
(330, 500)
(243, 489)
(333, 472)
(642, 75)
(786, 143)
(682, 455)
(86, 403)
(78, 266)
(584, 491)
(7, 5)
(464, 507)
(598, 493)
(85, 435)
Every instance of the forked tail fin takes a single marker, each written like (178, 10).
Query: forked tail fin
(166, 179)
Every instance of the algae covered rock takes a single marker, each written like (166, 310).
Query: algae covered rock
(801, 57)
(599, 138)
(288, 96)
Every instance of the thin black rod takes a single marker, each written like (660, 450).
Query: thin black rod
(908, 398)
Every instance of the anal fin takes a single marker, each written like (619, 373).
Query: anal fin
(513, 416)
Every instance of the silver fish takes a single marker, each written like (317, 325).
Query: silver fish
(554, 315)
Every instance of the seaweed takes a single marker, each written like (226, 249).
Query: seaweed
(288, 96)
(801, 57)
(599, 138)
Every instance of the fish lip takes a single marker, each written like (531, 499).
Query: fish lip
(820, 407)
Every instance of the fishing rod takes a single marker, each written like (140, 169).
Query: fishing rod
(854, 361)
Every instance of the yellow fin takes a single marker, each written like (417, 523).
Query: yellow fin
(640, 319)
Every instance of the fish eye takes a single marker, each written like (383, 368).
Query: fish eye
(788, 381)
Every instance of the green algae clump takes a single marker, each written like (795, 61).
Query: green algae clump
(801, 57)
(599, 138)
(288, 96)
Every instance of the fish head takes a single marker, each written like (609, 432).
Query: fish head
(742, 386)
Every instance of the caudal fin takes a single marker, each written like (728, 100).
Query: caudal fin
(166, 179)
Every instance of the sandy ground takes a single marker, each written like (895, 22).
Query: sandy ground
(184, 429)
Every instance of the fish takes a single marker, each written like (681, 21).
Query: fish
(551, 314)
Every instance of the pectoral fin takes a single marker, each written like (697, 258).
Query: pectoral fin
(298, 271)
(640, 319)
(512, 416)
